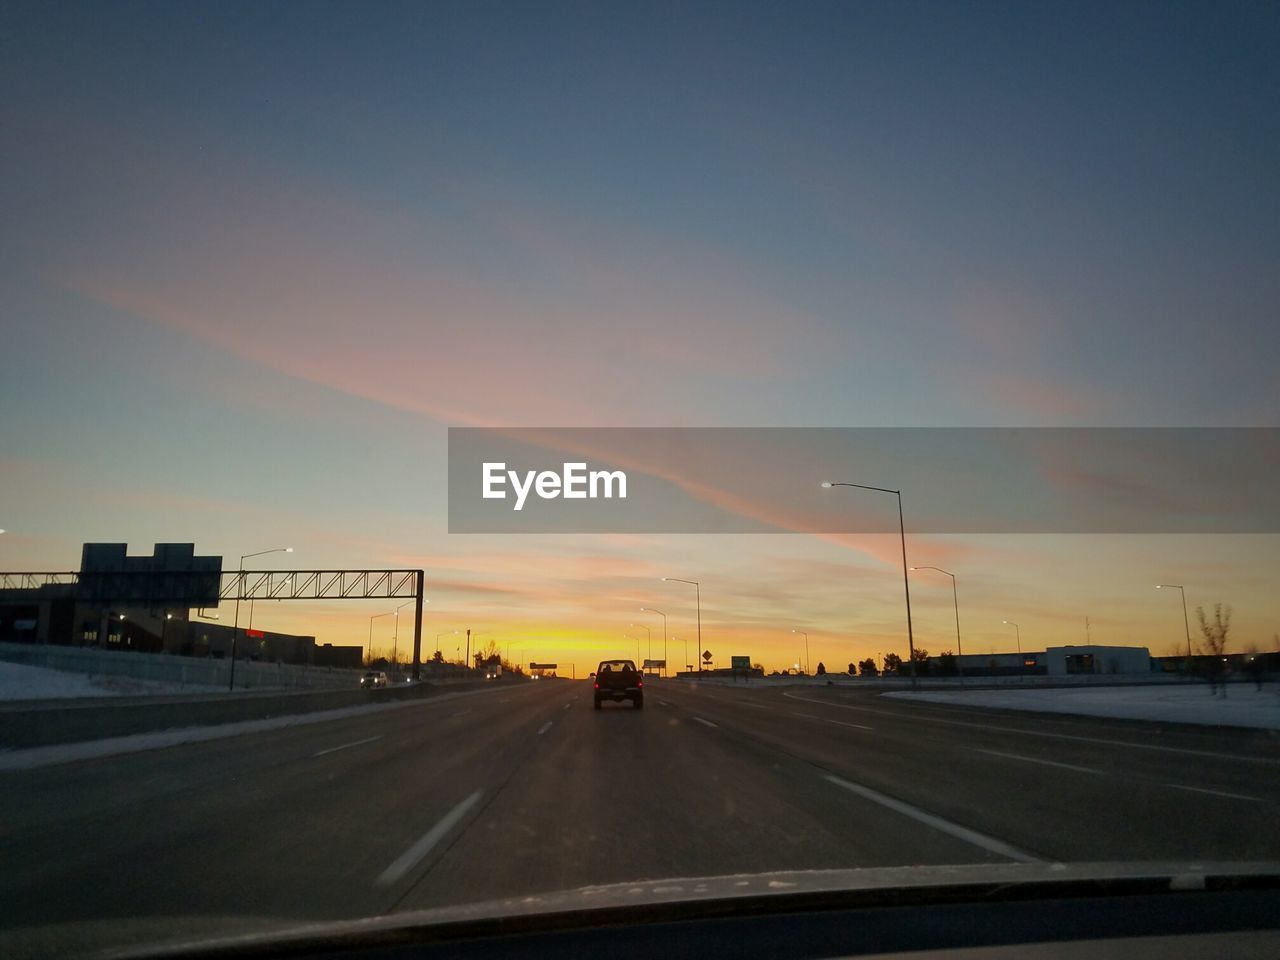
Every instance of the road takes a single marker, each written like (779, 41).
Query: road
(523, 787)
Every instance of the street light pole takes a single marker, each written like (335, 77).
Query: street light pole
(698, 597)
(371, 619)
(649, 634)
(1018, 634)
(956, 601)
(1186, 621)
(235, 630)
(395, 640)
(806, 649)
(664, 632)
(906, 586)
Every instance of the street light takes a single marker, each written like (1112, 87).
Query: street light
(906, 586)
(1018, 634)
(371, 619)
(649, 634)
(1186, 622)
(955, 600)
(637, 640)
(395, 641)
(235, 630)
(806, 648)
(698, 596)
(664, 632)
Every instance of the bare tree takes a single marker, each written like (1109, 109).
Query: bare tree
(1214, 646)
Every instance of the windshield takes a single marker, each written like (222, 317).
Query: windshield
(609, 666)
(887, 390)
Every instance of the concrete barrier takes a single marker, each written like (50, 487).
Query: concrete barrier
(178, 670)
(43, 723)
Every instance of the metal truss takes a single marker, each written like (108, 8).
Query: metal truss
(319, 584)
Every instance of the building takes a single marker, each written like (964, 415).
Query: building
(1058, 662)
(142, 604)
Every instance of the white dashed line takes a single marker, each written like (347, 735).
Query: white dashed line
(707, 722)
(411, 857)
(460, 713)
(357, 743)
(990, 844)
(1047, 763)
(856, 726)
(1214, 793)
(544, 728)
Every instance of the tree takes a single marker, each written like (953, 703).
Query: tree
(948, 666)
(892, 663)
(1215, 642)
(437, 657)
(920, 662)
(853, 669)
(868, 668)
(822, 668)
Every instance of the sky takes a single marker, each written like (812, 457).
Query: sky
(256, 259)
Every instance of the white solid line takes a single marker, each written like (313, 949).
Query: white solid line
(321, 753)
(410, 858)
(990, 844)
(1047, 763)
(707, 722)
(1215, 793)
(1268, 761)
(544, 728)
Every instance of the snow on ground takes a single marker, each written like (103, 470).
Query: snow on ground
(21, 682)
(1244, 705)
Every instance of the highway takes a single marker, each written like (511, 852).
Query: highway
(522, 787)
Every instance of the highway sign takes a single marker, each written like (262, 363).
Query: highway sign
(706, 655)
(741, 663)
(543, 666)
(655, 664)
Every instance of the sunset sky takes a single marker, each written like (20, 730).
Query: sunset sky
(256, 259)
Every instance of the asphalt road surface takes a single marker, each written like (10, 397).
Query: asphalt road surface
(523, 788)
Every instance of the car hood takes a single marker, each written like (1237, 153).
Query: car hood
(693, 897)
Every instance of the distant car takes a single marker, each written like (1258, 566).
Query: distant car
(619, 680)
(374, 678)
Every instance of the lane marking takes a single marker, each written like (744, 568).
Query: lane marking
(807, 716)
(544, 728)
(460, 713)
(1047, 763)
(411, 857)
(707, 722)
(357, 743)
(568, 705)
(1215, 793)
(664, 703)
(856, 726)
(1266, 761)
(990, 844)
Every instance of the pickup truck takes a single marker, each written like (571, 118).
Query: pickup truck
(619, 680)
